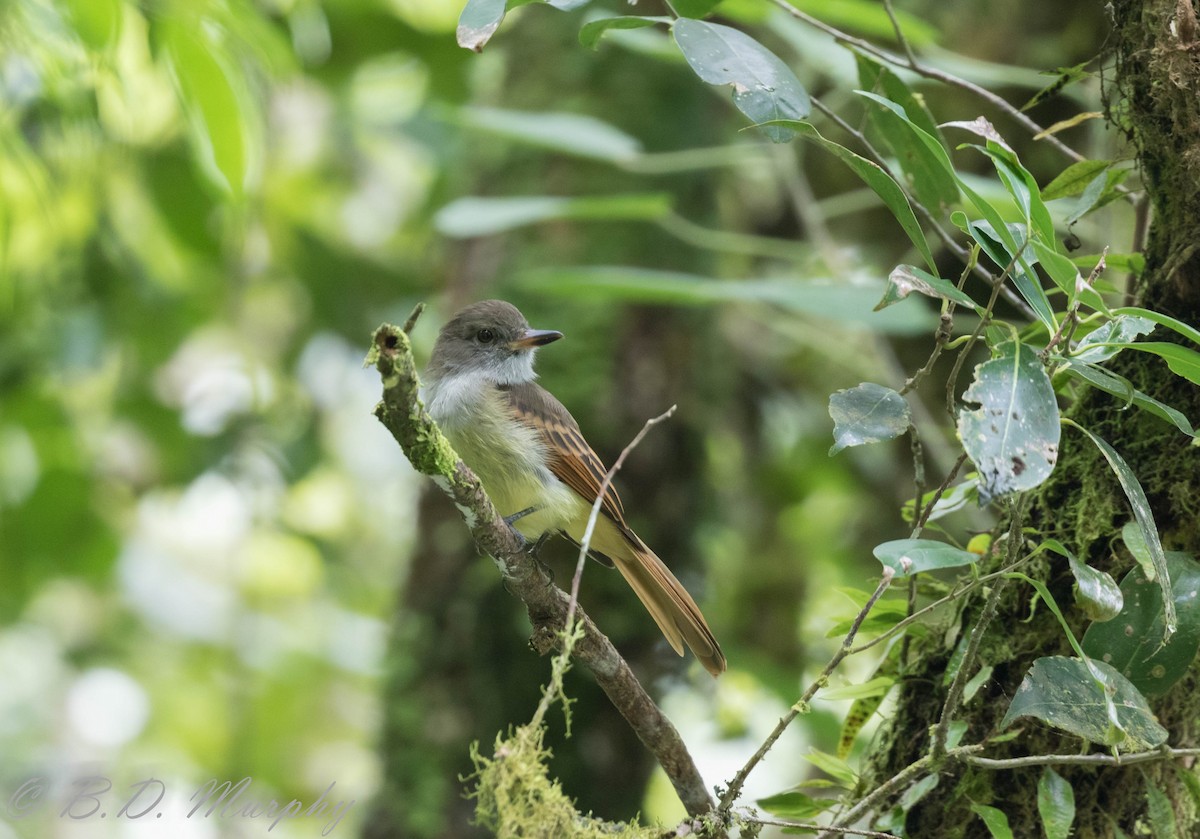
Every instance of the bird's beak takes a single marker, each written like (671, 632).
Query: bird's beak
(535, 338)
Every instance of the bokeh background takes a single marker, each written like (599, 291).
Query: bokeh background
(214, 563)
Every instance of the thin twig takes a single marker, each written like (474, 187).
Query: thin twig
(954, 695)
(908, 50)
(801, 707)
(845, 831)
(927, 511)
(1079, 760)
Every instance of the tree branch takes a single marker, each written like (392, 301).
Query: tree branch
(403, 414)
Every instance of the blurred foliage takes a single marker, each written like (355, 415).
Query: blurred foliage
(205, 206)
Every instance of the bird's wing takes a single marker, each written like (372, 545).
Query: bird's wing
(571, 459)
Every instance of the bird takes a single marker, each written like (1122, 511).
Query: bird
(535, 464)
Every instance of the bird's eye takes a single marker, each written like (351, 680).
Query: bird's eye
(485, 336)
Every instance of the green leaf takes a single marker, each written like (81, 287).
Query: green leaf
(209, 88)
(1145, 519)
(865, 414)
(861, 711)
(478, 22)
(1022, 186)
(574, 134)
(1063, 693)
(845, 304)
(877, 78)
(995, 821)
(795, 805)
(1132, 642)
(1122, 388)
(591, 32)
(1183, 361)
(1101, 597)
(958, 497)
(1123, 329)
(921, 156)
(912, 556)
(1065, 76)
(473, 216)
(97, 22)
(1178, 326)
(905, 279)
(1056, 804)
(694, 8)
(1024, 277)
(1074, 179)
(1161, 812)
(913, 795)
(1089, 199)
(1012, 438)
(835, 768)
(866, 17)
(878, 180)
(879, 686)
(764, 88)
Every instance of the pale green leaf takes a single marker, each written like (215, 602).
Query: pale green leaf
(865, 414)
(912, 556)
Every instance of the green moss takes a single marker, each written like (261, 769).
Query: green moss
(516, 797)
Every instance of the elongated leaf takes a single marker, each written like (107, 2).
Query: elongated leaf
(877, 78)
(794, 804)
(1132, 642)
(954, 499)
(1178, 326)
(764, 88)
(1056, 804)
(912, 556)
(1121, 388)
(1123, 329)
(209, 88)
(845, 304)
(1161, 811)
(483, 216)
(1183, 361)
(1145, 519)
(905, 279)
(1074, 179)
(694, 8)
(1062, 692)
(1012, 437)
(994, 819)
(861, 711)
(926, 168)
(835, 768)
(877, 179)
(574, 134)
(1024, 278)
(865, 414)
(1088, 200)
(879, 686)
(591, 33)
(1022, 186)
(1064, 76)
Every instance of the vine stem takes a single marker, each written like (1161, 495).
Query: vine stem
(739, 780)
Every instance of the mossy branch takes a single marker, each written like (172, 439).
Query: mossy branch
(403, 414)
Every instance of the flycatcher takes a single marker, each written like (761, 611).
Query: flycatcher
(528, 451)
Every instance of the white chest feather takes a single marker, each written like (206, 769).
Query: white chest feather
(509, 457)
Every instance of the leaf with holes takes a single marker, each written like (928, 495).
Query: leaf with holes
(868, 413)
(1123, 329)
(764, 88)
(1088, 699)
(1012, 437)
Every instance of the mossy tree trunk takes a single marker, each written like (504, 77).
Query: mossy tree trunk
(1156, 100)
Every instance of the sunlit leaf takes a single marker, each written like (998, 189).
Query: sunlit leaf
(1132, 641)
(97, 22)
(905, 279)
(879, 686)
(1074, 179)
(912, 556)
(835, 768)
(861, 711)
(1145, 520)
(865, 414)
(1063, 693)
(764, 88)
(484, 216)
(795, 805)
(1056, 804)
(1069, 122)
(1012, 437)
